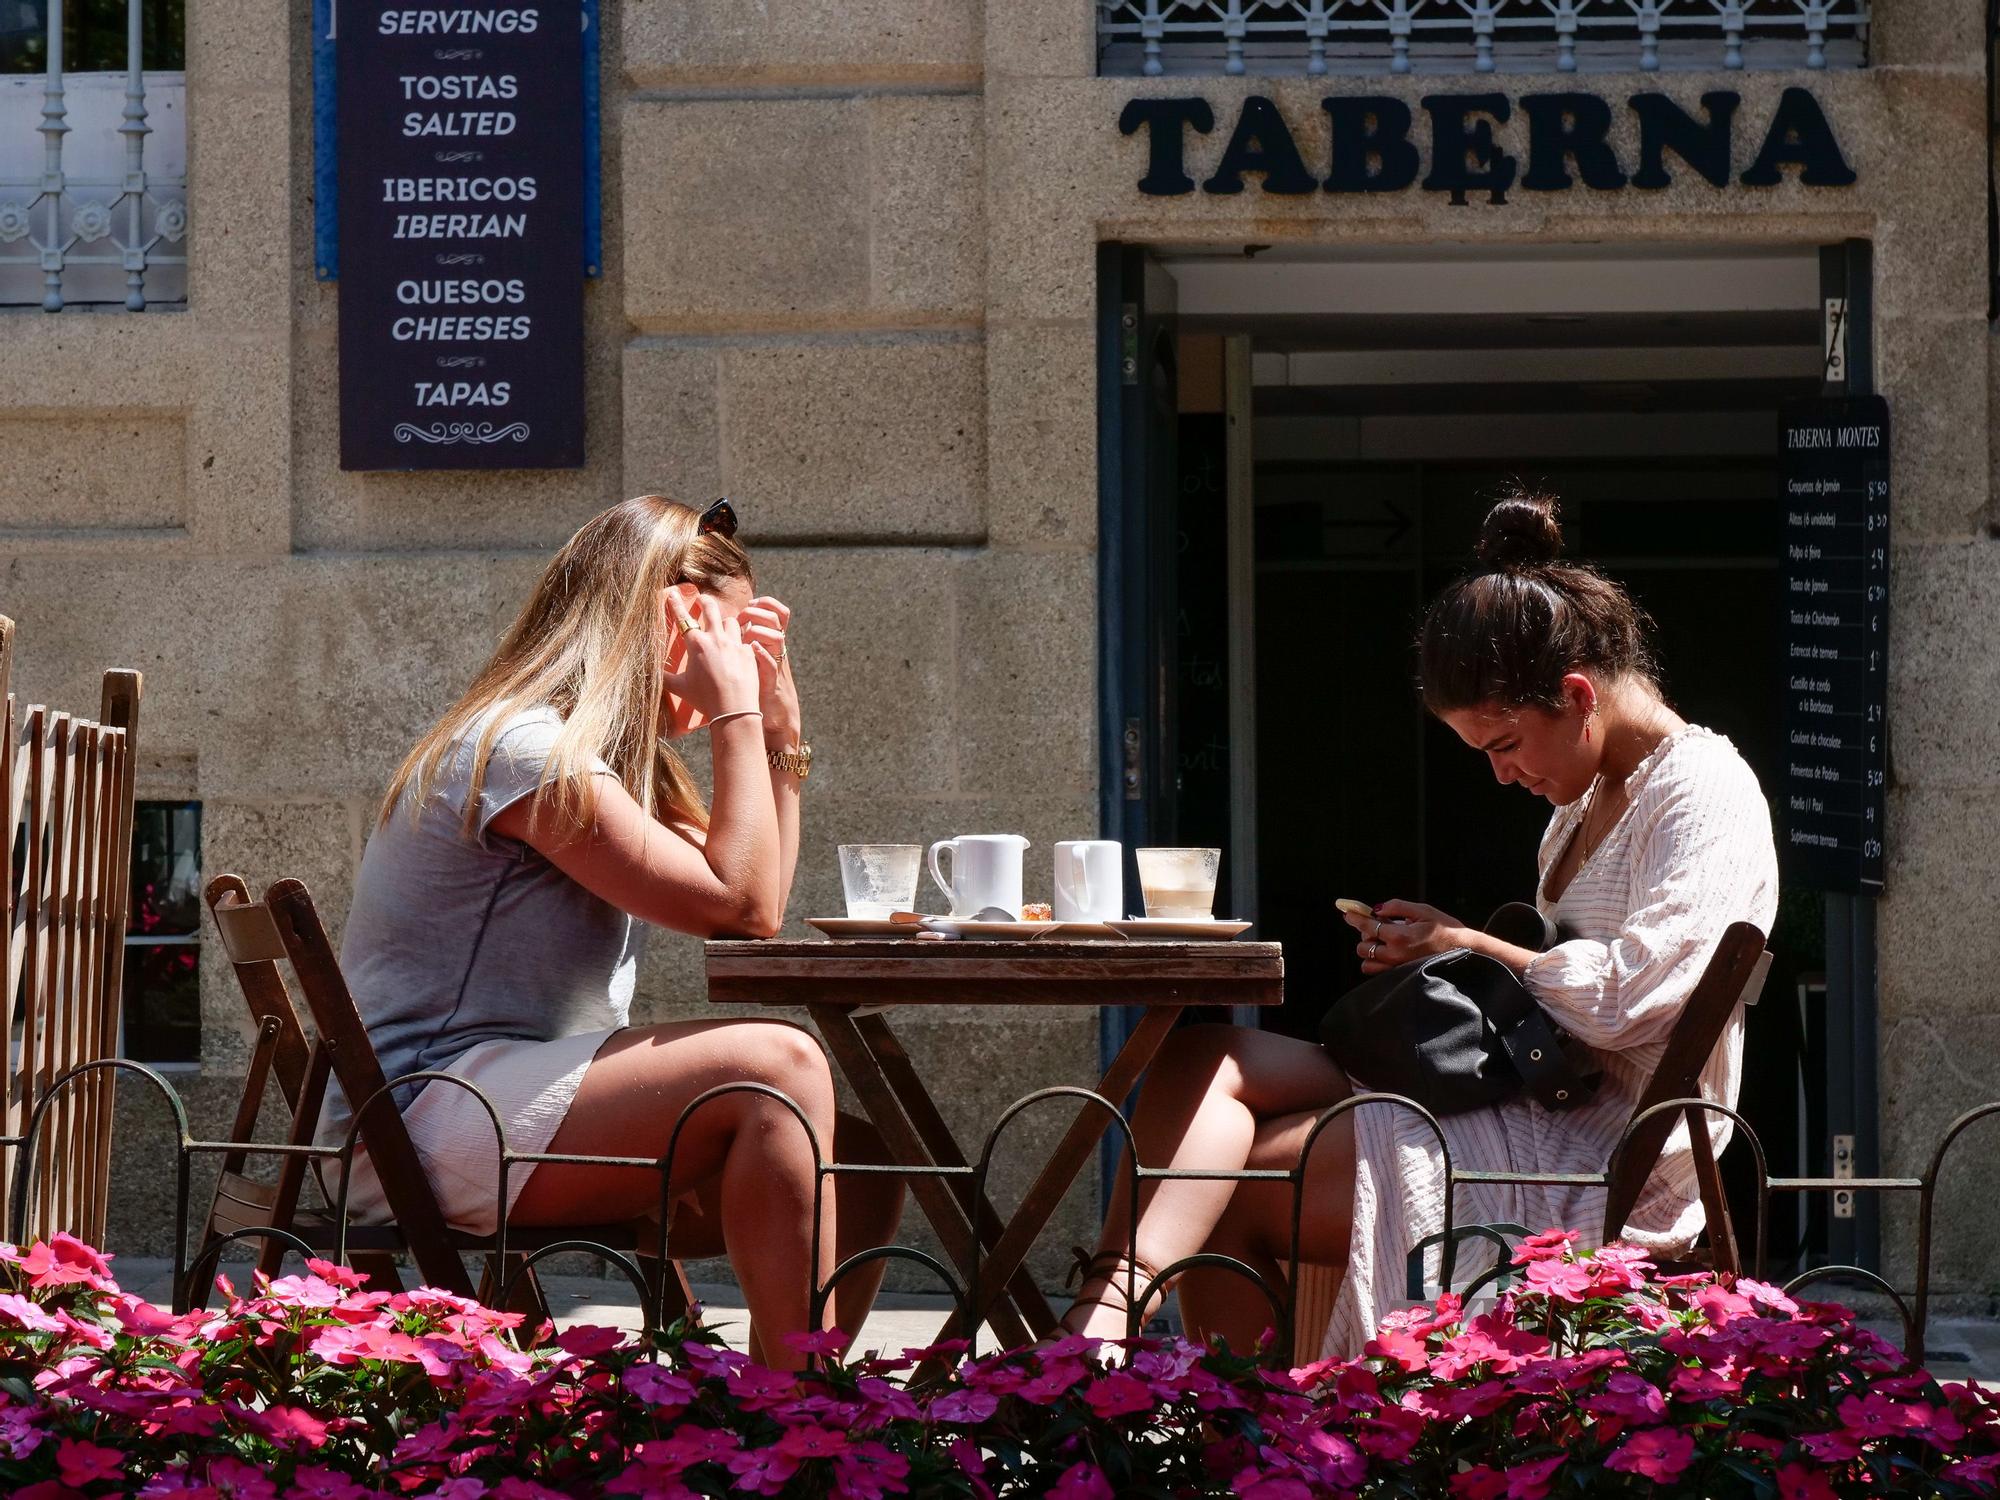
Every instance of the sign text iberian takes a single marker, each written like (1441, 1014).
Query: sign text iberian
(461, 234)
(1372, 144)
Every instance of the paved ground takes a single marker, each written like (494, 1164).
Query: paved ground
(1958, 1348)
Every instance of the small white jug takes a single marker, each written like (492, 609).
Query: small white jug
(1090, 880)
(985, 871)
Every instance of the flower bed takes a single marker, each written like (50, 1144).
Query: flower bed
(1593, 1377)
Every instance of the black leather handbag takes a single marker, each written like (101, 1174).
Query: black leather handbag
(1457, 1030)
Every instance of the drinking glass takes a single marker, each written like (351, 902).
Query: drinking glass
(880, 878)
(1179, 882)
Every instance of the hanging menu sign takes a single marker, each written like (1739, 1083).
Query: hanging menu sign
(1834, 456)
(461, 234)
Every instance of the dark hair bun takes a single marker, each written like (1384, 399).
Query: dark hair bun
(1521, 531)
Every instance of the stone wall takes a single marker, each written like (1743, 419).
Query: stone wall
(849, 251)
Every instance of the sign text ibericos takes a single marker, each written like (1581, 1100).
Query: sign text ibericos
(461, 234)
(1373, 144)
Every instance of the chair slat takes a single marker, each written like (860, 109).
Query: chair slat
(123, 693)
(1721, 988)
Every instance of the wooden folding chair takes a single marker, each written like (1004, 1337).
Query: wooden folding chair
(1734, 975)
(67, 813)
(285, 926)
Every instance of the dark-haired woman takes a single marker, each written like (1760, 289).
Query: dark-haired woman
(1660, 839)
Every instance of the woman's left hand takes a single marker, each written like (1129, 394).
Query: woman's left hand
(1398, 931)
(764, 623)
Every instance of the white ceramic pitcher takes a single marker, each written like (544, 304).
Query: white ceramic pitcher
(985, 871)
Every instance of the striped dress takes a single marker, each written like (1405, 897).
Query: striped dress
(1691, 853)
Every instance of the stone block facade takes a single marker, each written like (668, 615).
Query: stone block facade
(849, 280)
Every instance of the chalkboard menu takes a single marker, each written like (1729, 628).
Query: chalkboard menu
(1835, 462)
(461, 235)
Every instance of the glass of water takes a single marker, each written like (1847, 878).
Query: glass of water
(880, 878)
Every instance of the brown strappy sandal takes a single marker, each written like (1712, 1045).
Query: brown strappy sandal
(1110, 1266)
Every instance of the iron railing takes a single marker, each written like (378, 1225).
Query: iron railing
(963, 1287)
(96, 212)
(1362, 37)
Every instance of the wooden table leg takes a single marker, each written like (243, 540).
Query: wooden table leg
(1040, 1203)
(943, 1147)
(940, 1204)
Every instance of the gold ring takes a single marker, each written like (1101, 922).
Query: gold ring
(690, 626)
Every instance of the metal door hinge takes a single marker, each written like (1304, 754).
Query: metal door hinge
(1843, 1167)
(1833, 342)
(1128, 343)
(1134, 777)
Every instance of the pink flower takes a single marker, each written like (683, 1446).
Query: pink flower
(1489, 1339)
(656, 1385)
(1628, 1397)
(22, 1313)
(283, 1426)
(1550, 1244)
(1563, 1280)
(812, 1441)
(1118, 1395)
(825, 1341)
(1874, 1416)
(964, 1408)
(236, 1480)
(690, 1446)
(339, 1275)
(1083, 1481)
(1658, 1453)
(758, 1388)
(1531, 1481)
(1831, 1447)
(1402, 1349)
(1480, 1482)
(1272, 1487)
(82, 1464)
(515, 1488)
(587, 1340)
(317, 1483)
(66, 1261)
(870, 1471)
(1766, 1295)
(1692, 1383)
(886, 1402)
(460, 1489)
(1797, 1482)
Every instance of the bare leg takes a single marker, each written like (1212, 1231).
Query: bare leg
(1256, 1229)
(1205, 1098)
(869, 1208)
(636, 1089)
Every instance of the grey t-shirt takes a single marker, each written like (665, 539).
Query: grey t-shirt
(456, 939)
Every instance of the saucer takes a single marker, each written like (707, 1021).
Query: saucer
(850, 928)
(1178, 929)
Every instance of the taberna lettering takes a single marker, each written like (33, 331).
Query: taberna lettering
(1484, 144)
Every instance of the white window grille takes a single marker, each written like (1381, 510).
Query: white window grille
(1361, 37)
(93, 153)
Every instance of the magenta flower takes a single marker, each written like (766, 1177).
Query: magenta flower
(1118, 1395)
(66, 1261)
(460, 1489)
(1797, 1482)
(317, 1483)
(826, 1341)
(235, 1480)
(1550, 1244)
(965, 1408)
(82, 1464)
(282, 1426)
(1531, 1481)
(1657, 1453)
(1084, 1481)
(869, 1471)
(1480, 1482)
(22, 1313)
(1271, 1487)
(1628, 1397)
(658, 1386)
(812, 1441)
(1564, 1280)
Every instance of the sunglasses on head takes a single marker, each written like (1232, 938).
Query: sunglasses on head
(719, 518)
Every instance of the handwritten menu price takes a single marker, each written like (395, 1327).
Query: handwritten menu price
(461, 234)
(1835, 462)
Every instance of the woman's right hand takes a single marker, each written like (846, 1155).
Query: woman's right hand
(718, 672)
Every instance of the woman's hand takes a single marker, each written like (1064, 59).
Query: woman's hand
(718, 674)
(1398, 931)
(764, 622)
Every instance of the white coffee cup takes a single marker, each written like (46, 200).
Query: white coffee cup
(985, 871)
(1090, 880)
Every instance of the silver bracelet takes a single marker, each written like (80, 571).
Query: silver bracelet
(741, 713)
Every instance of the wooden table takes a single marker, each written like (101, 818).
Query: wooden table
(842, 985)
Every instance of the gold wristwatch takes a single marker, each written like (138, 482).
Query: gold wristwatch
(798, 762)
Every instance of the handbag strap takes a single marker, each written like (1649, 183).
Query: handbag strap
(1532, 1046)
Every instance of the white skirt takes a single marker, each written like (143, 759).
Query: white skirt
(531, 1084)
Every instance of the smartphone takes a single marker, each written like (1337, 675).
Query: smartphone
(1354, 908)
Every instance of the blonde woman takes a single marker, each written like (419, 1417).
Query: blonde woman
(524, 848)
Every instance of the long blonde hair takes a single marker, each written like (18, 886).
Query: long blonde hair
(588, 644)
